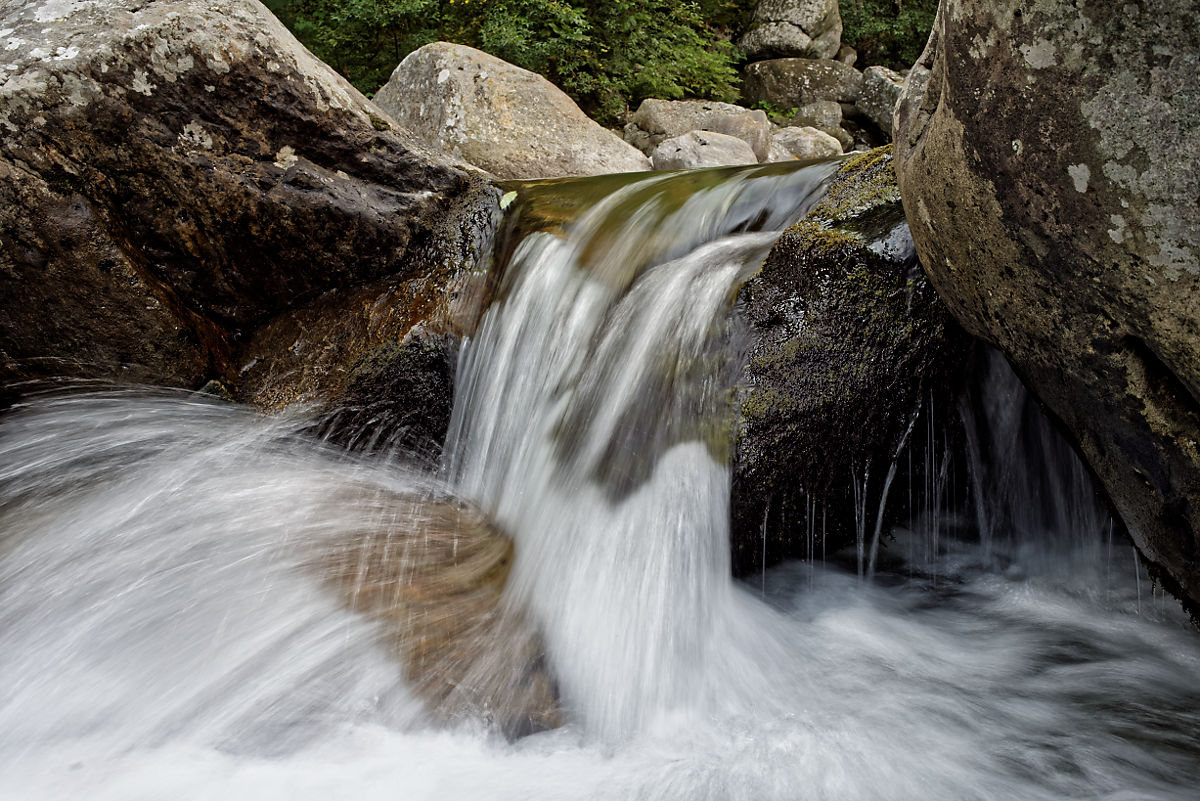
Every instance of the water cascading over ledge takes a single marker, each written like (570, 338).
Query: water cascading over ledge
(170, 630)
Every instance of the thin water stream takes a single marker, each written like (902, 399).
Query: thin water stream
(163, 633)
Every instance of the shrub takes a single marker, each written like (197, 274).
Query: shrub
(606, 54)
(890, 33)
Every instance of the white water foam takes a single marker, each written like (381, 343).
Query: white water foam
(160, 635)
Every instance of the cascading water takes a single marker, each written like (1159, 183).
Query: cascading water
(163, 631)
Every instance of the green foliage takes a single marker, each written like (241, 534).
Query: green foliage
(606, 54)
(775, 112)
(891, 33)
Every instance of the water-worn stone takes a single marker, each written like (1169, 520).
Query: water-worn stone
(789, 82)
(1047, 155)
(784, 28)
(656, 120)
(509, 121)
(880, 92)
(701, 149)
(807, 144)
(847, 339)
(175, 174)
(434, 579)
(752, 127)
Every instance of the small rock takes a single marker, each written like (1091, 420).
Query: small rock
(701, 149)
(807, 144)
(656, 120)
(847, 55)
(752, 127)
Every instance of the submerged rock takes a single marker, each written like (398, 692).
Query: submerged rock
(1047, 156)
(434, 579)
(509, 121)
(848, 339)
(783, 28)
(176, 175)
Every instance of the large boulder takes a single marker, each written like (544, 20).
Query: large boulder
(848, 342)
(701, 149)
(795, 82)
(1048, 160)
(881, 89)
(656, 120)
(784, 28)
(177, 174)
(509, 121)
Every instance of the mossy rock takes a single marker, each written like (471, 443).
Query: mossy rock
(848, 339)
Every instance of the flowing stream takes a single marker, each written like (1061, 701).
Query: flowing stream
(164, 634)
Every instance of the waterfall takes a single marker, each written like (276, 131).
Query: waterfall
(185, 608)
(592, 419)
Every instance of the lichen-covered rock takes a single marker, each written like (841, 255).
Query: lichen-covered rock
(796, 82)
(847, 339)
(1047, 154)
(174, 174)
(701, 149)
(509, 121)
(880, 93)
(807, 144)
(785, 28)
(656, 120)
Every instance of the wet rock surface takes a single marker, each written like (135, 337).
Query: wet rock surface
(1047, 160)
(434, 580)
(848, 339)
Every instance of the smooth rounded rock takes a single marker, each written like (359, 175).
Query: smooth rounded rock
(509, 121)
(656, 120)
(807, 144)
(752, 127)
(701, 149)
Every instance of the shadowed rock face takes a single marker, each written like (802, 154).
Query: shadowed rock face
(847, 341)
(176, 174)
(1048, 160)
